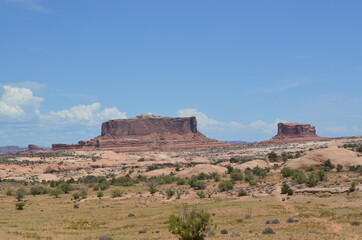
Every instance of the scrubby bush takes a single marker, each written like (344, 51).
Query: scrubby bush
(76, 195)
(201, 194)
(287, 172)
(37, 190)
(9, 192)
(242, 193)
(299, 176)
(170, 192)
(65, 187)
(55, 192)
(268, 231)
(236, 175)
(100, 194)
(20, 194)
(117, 193)
(19, 205)
(83, 193)
(352, 188)
(197, 184)
(355, 223)
(273, 157)
(226, 186)
(285, 188)
(215, 176)
(224, 231)
(312, 179)
(339, 168)
(191, 225)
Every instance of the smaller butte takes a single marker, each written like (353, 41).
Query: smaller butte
(294, 133)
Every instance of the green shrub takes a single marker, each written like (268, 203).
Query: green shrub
(55, 192)
(242, 193)
(100, 194)
(201, 194)
(285, 188)
(299, 176)
(339, 168)
(19, 205)
(117, 193)
(83, 193)
(20, 194)
(170, 192)
(192, 225)
(226, 186)
(273, 157)
(287, 172)
(236, 175)
(352, 188)
(65, 187)
(76, 196)
(312, 179)
(290, 192)
(9, 192)
(37, 190)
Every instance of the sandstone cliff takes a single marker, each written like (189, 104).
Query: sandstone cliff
(146, 133)
(293, 133)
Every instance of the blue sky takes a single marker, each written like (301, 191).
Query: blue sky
(239, 66)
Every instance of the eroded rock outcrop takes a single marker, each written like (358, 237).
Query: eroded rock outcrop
(293, 133)
(146, 133)
(32, 147)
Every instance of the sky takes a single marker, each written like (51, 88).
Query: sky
(240, 67)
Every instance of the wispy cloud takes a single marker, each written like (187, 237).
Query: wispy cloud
(33, 5)
(208, 124)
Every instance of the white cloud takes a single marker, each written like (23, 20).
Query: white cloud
(211, 125)
(34, 5)
(83, 114)
(20, 105)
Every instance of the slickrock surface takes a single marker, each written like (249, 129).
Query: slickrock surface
(294, 133)
(146, 133)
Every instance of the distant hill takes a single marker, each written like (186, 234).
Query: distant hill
(237, 142)
(10, 149)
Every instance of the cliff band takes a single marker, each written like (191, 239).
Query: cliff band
(146, 133)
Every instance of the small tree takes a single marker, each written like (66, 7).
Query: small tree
(55, 192)
(192, 225)
(226, 186)
(20, 194)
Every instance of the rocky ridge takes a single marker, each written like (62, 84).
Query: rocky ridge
(146, 133)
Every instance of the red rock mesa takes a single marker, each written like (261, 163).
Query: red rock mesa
(293, 133)
(146, 132)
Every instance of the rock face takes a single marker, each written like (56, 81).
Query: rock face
(32, 147)
(146, 133)
(293, 133)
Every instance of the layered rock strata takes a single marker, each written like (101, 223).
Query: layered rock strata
(146, 133)
(294, 133)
